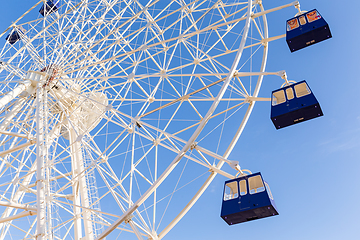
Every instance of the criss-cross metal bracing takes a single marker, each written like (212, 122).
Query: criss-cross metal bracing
(113, 112)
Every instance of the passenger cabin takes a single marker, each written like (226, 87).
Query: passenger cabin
(294, 104)
(247, 198)
(15, 35)
(306, 29)
(49, 7)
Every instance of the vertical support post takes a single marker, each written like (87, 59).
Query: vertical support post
(75, 186)
(43, 198)
(80, 188)
(40, 157)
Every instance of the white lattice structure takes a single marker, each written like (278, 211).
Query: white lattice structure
(116, 115)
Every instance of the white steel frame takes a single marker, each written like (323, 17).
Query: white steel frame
(102, 89)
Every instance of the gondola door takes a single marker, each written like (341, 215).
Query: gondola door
(244, 198)
(291, 102)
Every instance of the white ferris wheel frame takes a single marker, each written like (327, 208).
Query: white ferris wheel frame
(35, 81)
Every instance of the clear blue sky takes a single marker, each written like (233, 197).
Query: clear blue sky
(312, 167)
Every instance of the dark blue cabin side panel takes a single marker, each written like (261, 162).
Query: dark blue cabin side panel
(230, 206)
(294, 104)
(307, 34)
(253, 201)
(297, 116)
(249, 215)
(257, 206)
(309, 38)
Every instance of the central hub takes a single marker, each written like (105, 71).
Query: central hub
(51, 71)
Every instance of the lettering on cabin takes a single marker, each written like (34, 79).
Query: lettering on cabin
(311, 42)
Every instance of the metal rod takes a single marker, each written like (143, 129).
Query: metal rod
(204, 121)
(40, 152)
(18, 205)
(232, 144)
(14, 93)
(17, 216)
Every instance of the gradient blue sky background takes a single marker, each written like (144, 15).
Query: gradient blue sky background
(312, 167)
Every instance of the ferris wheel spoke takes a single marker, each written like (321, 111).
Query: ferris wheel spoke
(12, 69)
(36, 36)
(169, 136)
(66, 30)
(116, 196)
(183, 36)
(18, 135)
(17, 216)
(130, 20)
(33, 53)
(182, 98)
(119, 183)
(135, 94)
(110, 188)
(17, 148)
(175, 161)
(174, 148)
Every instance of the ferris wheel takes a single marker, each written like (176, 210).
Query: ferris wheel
(116, 115)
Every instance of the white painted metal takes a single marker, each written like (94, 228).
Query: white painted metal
(18, 205)
(11, 150)
(129, 95)
(14, 134)
(20, 215)
(41, 156)
(14, 111)
(81, 197)
(195, 134)
(232, 144)
(14, 93)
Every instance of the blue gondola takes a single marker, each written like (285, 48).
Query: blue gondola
(294, 104)
(51, 6)
(306, 29)
(247, 198)
(14, 36)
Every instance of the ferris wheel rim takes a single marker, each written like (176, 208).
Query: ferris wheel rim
(249, 108)
(231, 146)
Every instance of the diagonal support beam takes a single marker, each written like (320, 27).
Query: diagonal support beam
(17, 216)
(192, 139)
(12, 69)
(14, 93)
(14, 134)
(18, 205)
(17, 148)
